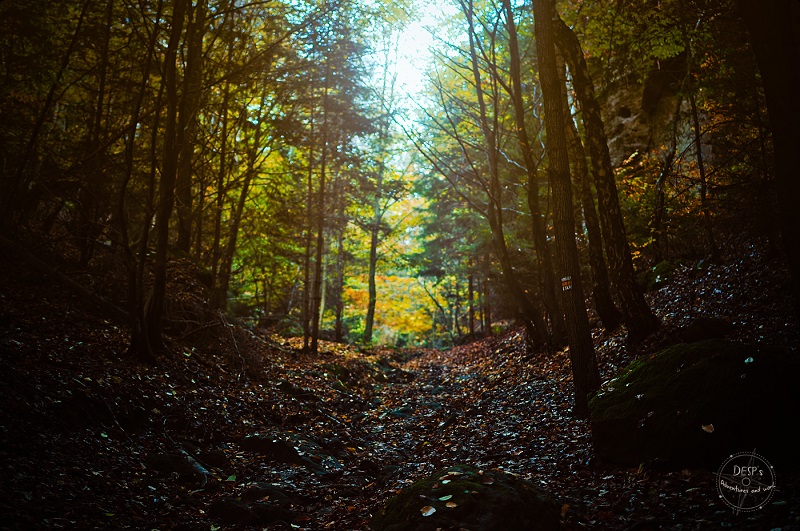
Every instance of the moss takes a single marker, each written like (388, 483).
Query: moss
(490, 500)
(657, 276)
(657, 408)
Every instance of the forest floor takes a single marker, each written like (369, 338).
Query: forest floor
(236, 430)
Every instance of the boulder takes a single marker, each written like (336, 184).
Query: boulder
(694, 404)
(464, 497)
(657, 276)
(704, 328)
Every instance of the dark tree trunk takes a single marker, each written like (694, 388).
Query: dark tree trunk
(546, 274)
(316, 299)
(190, 106)
(659, 213)
(584, 363)
(471, 289)
(775, 33)
(601, 289)
(638, 317)
(140, 346)
(166, 188)
(531, 315)
(89, 201)
(14, 196)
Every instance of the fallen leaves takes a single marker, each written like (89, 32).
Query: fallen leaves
(85, 422)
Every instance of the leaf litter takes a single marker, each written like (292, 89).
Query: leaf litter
(91, 439)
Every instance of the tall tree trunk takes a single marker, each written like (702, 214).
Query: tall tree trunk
(222, 173)
(471, 297)
(601, 289)
(711, 242)
(309, 238)
(14, 197)
(659, 214)
(190, 106)
(219, 294)
(531, 315)
(638, 317)
(372, 289)
(139, 346)
(584, 363)
(316, 300)
(87, 229)
(486, 309)
(775, 33)
(539, 236)
(166, 188)
(338, 327)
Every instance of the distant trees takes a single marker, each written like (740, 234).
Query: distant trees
(260, 141)
(160, 124)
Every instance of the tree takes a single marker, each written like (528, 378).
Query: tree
(775, 35)
(637, 314)
(584, 363)
(489, 127)
(537, 218)
(173, 139)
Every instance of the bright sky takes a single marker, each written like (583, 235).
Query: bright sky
(415, 43)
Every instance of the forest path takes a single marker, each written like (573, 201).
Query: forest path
(232, 430)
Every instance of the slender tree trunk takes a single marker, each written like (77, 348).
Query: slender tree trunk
(219, 294)
(190, 106)
(19, 182)
(87, 230)
(638, 317)
(486, 306)
(320, 221)
(531, 315)
(139, 346)
(309, 239)
(601, 289)
(711, 242)
(775, 33)
(372, 289)
(584, 363)
(539, 237)
(222, 173)
(659, 214)
(471, 290)
(166, 189)
(338, 328)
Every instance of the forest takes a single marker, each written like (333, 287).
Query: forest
(356, 264)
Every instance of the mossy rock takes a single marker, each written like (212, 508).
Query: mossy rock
(695, 404)
(657, 276)
(704, 328)
(464, 497)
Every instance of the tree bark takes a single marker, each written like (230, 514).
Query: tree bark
(15, 196)
(531, 316)
(637, 314)
(775, 33)
(711, 242)
(582, 356)
(548, 282)
(316, 299)
(166, 189)
(601, 289)
(190, 106)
